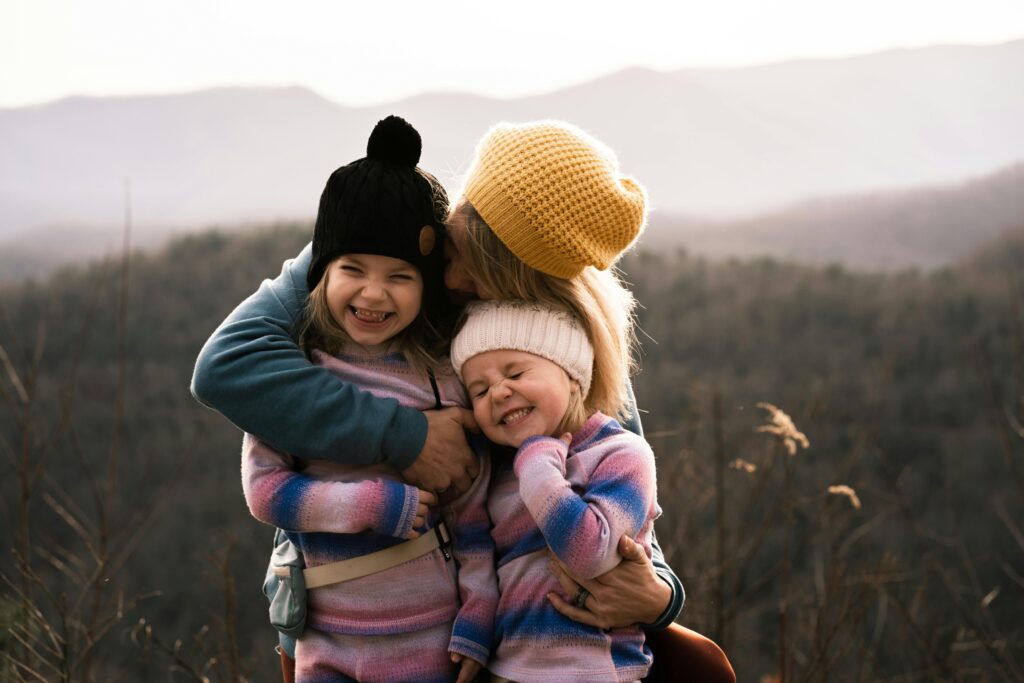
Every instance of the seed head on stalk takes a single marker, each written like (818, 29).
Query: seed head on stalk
(781, 425)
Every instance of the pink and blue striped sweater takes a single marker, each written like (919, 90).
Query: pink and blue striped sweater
(577, 500)
(334, 512)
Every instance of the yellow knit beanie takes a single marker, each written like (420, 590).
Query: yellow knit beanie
(554, 196)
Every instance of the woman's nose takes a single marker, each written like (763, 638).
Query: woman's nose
(457, 279)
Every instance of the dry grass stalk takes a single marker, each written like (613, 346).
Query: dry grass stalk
(848, 492)
(781, 425)
(743, 466)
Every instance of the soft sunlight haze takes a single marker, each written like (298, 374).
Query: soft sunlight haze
(367, 53)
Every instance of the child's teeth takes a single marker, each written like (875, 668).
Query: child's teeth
(511, 417)
(370, 315)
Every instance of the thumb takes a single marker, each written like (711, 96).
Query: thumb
(468, 420)
(631, 550)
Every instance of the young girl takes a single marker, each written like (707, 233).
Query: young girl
(385, 601)
(574, 482)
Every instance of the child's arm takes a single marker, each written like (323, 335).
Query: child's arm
(584, 529)
(472, 632)
(278, 495)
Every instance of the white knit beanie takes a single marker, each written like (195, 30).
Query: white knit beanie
(524, 326)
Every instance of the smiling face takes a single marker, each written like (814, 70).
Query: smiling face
(373, 298)
(516, 395)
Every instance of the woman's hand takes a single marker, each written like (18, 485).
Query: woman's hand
(468, 668)
(446, 460)
(631, 593)
(426, 501)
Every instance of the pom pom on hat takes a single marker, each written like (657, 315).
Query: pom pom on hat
(395, 141)
(524, 326)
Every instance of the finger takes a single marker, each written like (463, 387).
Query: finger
(456, 658)
(422, 510)
(418, 521)
(566, 438)
(428, 498)
(473, 468)
(412, 534)
(462, 483)
(468, 420)
(558, 568)
(631, 550)
(564, 580)
(470, 668)
(575, 613)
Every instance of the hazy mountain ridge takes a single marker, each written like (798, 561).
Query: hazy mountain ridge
(921, 227)
(706, 142)
(915, 228)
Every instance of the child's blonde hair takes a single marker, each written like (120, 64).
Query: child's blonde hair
(598, 299)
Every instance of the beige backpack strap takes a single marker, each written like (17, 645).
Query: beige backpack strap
(355, 567)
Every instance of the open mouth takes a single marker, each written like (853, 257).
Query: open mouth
(515, 416)
(372, 317)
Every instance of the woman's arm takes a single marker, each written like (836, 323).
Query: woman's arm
(665, 574)
(278, 495)
(632, 593)
(252, 371)
(638, 590)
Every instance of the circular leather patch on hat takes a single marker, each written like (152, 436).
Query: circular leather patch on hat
(428, 237)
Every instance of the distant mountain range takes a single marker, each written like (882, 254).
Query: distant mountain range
(923, 227)
(708, 143)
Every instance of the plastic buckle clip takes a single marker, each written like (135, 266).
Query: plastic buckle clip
(443, 540)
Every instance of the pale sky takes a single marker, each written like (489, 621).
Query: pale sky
(383, 50)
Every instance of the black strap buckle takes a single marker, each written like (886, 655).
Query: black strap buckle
(444, 540)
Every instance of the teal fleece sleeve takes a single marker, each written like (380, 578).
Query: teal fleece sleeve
(252, 371)
(675, 605)
(665, 573)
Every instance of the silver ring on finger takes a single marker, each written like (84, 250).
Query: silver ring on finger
(581, 598)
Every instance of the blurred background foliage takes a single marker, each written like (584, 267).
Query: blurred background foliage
(121, 500)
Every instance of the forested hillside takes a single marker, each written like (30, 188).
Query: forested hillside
(121, 495)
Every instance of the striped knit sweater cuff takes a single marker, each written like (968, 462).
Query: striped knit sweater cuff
(469, 648)
(393, 510)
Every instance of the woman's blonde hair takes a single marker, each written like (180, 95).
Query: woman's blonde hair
(421, 343)
(597, 298)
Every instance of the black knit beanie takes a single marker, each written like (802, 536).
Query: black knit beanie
(383, 204)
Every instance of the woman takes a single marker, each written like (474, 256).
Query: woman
(524, 195)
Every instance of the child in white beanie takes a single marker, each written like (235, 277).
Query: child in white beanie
(575, 483)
